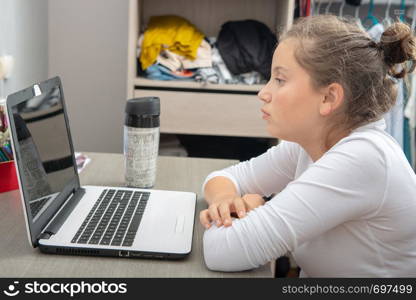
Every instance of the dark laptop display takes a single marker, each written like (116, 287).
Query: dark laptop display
(44, 152)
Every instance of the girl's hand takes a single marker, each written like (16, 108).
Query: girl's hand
(252, 201)
(220, 211)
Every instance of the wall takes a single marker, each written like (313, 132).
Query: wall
(24, 34)
(88, 50)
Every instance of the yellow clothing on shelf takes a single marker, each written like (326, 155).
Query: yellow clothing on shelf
(175, 62)
(169, 32)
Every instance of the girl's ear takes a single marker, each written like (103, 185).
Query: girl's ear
(332, 99)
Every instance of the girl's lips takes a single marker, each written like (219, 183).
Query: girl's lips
(265, 114)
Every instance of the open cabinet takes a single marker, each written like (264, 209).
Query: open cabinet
(204, 108)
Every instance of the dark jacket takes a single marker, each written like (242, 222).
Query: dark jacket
(247, 46)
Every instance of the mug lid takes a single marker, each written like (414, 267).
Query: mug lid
(143, 106)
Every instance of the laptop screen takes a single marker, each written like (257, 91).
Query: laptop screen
(43, 147)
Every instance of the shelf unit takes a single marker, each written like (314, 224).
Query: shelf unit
(198, 108)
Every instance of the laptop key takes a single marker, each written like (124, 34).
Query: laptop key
(83, 240)
(127, 243)
(116, 242)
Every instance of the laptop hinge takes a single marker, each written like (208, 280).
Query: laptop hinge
(44, 236)
(56, 223)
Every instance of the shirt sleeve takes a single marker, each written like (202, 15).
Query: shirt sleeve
(343, 185)
(265, 174)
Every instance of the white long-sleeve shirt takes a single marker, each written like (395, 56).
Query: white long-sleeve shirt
(352, 213)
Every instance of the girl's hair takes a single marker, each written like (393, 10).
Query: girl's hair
(333, 49)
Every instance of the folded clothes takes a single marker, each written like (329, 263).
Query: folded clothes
(203, 69)
(251, 78)
(173, 33)
(207, 75)
(213, 75)
(159, 72)
(219, 73)
(175, 61)
(223, 72)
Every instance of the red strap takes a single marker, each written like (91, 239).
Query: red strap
(308, 7)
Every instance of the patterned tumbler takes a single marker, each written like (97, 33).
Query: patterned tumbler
(141, 141)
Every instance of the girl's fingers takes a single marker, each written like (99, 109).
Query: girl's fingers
(205, 218)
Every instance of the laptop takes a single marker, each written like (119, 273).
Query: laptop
(63, 217)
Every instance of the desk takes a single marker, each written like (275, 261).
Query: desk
(19, 259)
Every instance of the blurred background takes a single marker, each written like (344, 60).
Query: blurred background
(94, 46)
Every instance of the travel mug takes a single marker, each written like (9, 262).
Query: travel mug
(141, 141)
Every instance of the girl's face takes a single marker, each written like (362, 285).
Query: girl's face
(291, 105)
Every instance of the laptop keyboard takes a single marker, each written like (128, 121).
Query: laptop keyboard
(36, 206)
(114, 219)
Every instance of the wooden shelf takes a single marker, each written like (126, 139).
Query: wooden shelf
(143, 82)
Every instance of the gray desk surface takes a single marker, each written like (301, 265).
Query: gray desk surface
(19, 259)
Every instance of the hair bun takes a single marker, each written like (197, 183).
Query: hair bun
(398, 45)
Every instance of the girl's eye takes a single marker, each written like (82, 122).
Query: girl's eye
(279, 81)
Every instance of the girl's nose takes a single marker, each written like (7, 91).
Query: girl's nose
(264, 95)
